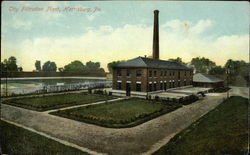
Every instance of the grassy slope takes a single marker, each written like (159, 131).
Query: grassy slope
(57, 101)
(16, 140)
(123, 113)
(222, 131)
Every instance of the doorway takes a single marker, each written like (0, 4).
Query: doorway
(128, 89)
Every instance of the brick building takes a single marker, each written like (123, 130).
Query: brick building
(141, 75)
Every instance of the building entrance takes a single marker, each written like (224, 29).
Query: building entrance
(128, 89)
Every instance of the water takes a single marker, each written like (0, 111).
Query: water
(41, 85)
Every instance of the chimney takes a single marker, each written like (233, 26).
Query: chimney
(156, 36)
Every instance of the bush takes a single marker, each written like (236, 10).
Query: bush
(221, 89)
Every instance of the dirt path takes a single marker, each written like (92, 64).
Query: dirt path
(145, 138)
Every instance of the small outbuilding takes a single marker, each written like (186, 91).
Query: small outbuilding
(206, 80)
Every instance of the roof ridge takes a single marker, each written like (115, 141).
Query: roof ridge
(142, 60)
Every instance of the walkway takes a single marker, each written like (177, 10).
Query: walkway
(147, 137)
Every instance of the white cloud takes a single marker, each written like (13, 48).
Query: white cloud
(201, 26)
(106, 44)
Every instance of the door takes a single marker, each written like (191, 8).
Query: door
(165, 86)
(128, 88)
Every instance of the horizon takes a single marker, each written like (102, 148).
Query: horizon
(110, 31)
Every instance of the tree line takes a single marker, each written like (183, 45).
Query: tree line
(10, 65)
(74, 66)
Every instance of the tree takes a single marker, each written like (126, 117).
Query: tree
(113, 64)
(202, 65)
(217, 70)
(236, 69)
(178, 59)
(61, 69)
(11, 64)
(2, 67)
(93, 67)
(20, 69)
(49, 67)
(75, 66)
(38, 65)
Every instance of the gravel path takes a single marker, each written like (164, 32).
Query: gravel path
(145, 138)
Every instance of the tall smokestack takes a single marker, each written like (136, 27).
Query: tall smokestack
(156, 36)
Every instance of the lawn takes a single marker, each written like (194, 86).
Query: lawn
(222, 131)
(16, 140)
(124, 113)
(57, 101)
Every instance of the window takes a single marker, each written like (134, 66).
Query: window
(170, 84)
(165, 85)
(150, 87)
(128, 73)
(185, 73)
(190, 73)
(170, 73)
(179, 83)
(161, 73)
(138, 87)
(150, 73)
(138, 73)
(155, 73)
(165, 73)
(173, 73)
(184, 83)
(119, 85)
(173, 84)
(161, 86)
(155, 86)
(119, 72)
(179, 74)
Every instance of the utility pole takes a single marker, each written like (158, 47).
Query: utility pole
(6, 83)
(228, 72)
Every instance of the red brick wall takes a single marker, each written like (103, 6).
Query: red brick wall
(145, 79)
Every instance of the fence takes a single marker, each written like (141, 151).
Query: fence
(56, 88)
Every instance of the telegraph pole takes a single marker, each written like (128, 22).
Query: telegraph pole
(228, 72)
(6, 83)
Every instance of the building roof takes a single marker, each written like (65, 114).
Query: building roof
(205, 78)
(145, 62)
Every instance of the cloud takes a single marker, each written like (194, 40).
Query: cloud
(201, 26)
(105, 44)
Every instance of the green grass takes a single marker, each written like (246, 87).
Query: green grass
(222, 131)
(16, 140)
(56, 101)
(124, 113)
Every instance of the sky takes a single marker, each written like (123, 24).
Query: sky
(120, 30)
